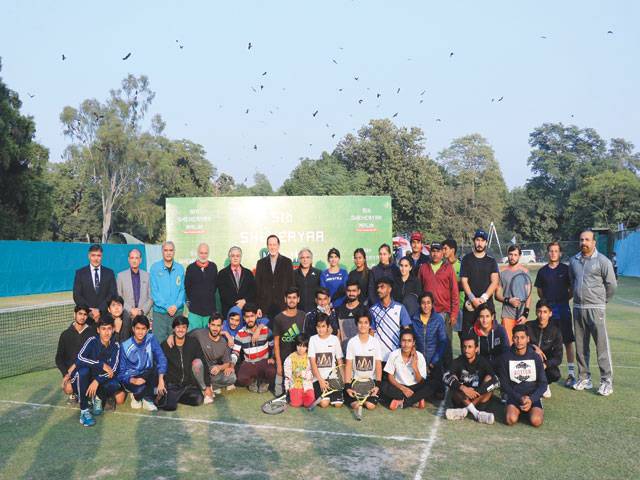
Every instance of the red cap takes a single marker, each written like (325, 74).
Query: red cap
(416, 236)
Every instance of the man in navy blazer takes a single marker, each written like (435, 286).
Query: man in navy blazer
(94, 284)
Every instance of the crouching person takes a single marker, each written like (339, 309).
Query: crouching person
(181, 385)
(97, 365)
(142, 366)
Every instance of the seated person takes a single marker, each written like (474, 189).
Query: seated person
(364, 362)
(121, 318)
(235, 322)
(257, 367)
(471, 380)
(69, 344)
(546, 339)
(522, 379)
(217, 354)
(181, 384)
(298, 377)
(492, 337)
(142, 366)
(431, 339)
(407, 384)
(97, 365)
(325, 354)
(323, 306)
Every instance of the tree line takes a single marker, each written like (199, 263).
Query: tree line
(119, 168)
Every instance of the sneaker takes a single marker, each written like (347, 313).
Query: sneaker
(135, 404)
(97, 406)
(456, 413)
(486, 418)
(547, 392)
(149, 406)
(86, 419)
(503, 398)
(606, 388)
(231, 387)
(253, 386)
(396, 404)
(217, 391)
(583, 384)
(263, 388)
(208, 400)
(72, 399)
(570, 381)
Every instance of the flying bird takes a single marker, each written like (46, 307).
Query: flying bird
(421, 101)
(451, 55)
(378, 95)
(249, 47)
(500, 99)
(333, 135)
(395, 115)
(422, 92)
(340, 89)
(610, 32)
(255, 147)
(398, 91)
(334, 61)
(544, 37)
(31, 95)
(246, 111)
(360, 101)
(356, 78)
(264, 73)
(261, 87)
(126, 57)
(63, 57)
(315, 113)
(438, 120)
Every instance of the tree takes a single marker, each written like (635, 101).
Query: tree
(25, 204)
(394, 163)
(622, 156)
(261, 187)
(476, 193)
(103, 136)
(530, 215)
(325, 176)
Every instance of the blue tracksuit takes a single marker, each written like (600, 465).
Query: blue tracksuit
(167, 286)
(336, 283)
(90, 366)
(431, 339)
(142, 360)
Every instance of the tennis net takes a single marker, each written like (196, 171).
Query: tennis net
(29, 336)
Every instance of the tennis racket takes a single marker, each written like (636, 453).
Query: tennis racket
(520, 288)
(335, 385)
(275, 405)
(362, 389)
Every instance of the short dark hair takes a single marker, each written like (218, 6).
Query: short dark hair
(385, 280)
(520, 328)
(322, 318)
(106, 319)
(273, 236)
(180, 320)
(333, 251)
(451, 243)
(302, 339)
(250, 307)
(291, 290)
(353, 283)
(323, 291)
(485, 306)
(215, 316)
(424, 295)
(81, 306)
(408, 331)
(555, 243)
(513, 248)
(96, 247)
(543, 302)
(467, 336)
(140, 319)
(363, 314)
(117, 299)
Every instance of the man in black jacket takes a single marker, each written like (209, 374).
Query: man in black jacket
(546, 339)
(307, 279)
(236, 284)
(180, 383)
(69, 344)
(94, 284)
(274, 275)
(200, 287)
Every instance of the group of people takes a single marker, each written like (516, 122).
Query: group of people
(295, 331)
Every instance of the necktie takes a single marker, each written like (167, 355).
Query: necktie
(96, 278)
(236, 274)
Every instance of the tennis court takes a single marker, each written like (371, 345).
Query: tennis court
(584, 435)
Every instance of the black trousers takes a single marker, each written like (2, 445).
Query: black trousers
(420, 390)
(186, 395)
(553, 374)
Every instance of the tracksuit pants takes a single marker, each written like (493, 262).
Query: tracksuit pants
(146, 390)
(219, 380)
(420, 390)
(107, 386)
(590, 322)
(185, 394)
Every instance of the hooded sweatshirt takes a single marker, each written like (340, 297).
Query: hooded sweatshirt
(136, 358)
(522, 375)
(493, 345)
(226, 326)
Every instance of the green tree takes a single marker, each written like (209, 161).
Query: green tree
(476, 193)
(530, 215)
(261, 187)
(394, 163)
(25, 203)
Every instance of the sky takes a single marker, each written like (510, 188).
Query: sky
(579, 74)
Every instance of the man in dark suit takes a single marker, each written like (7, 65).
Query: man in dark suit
(274, 275)
(94, 284)
(236, 284)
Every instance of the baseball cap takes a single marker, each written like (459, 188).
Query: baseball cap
(480, 234)
(416, 236)
(436, 246)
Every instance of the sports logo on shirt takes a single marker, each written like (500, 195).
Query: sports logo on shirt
(291, 334)
(363, 364)
(178, 280)
(324, 359)
(522, 371)
(470, 379)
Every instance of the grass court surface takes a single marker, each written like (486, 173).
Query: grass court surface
(584, 435)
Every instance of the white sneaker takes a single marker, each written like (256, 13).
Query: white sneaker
(217, 391)
(136, 404)
(208, 400)
(149, 406)
(231, 387)
(583, 384)
(485, 417)
(456, 413)
(606, 388)
(547, 392)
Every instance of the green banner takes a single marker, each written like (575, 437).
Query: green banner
(318, 223)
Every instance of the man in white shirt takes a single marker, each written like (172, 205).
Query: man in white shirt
(406, 370)
(325, 355)
(364, 362)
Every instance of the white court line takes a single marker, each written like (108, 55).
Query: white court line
(398, 438)
(632, 302)
(626, 366)
(426, 453)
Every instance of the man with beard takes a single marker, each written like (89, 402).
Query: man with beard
(200, 288)
(479, 276)
(511, 305)
(286, 327)
(594, 283)
(416, 257)
(546, 340)
(349, 312)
